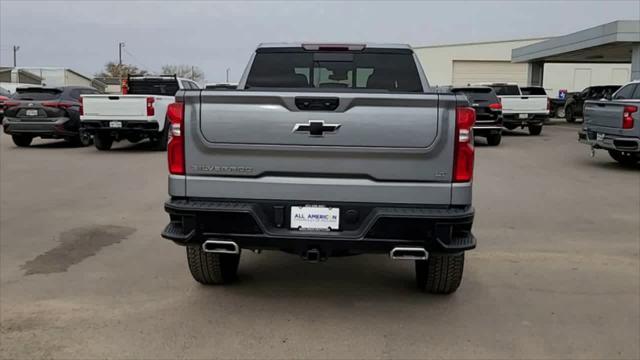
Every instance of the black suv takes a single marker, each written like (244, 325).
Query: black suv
(488, 112)
(49, 113)
(575, 103)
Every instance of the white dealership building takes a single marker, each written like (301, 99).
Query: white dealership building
(462, 64)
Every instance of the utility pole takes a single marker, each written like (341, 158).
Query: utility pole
(120, 46)
(228, 69)
(15, 50)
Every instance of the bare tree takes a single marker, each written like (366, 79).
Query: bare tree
(185, 71)
(113, 70)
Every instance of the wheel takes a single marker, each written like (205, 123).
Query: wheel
(569, 114)
(624, 158)
(440, 273)
(102, 141)
(212, 269)
(83, 140)
(535, 129)
(160, 143)
(22, 140)
(560, 112)
(494, 139)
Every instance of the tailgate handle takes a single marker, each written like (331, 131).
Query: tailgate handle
(114, 97)
(317, 103)
(600, 104)
(524, 97)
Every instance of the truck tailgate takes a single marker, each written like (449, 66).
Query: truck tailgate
(524, 104)
(409, 122)
(115, 105)
(603, 114)
(265, 139)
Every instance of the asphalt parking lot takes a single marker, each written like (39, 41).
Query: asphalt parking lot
(85, 274)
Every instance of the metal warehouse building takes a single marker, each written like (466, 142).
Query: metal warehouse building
(54, 76)
(462, 64)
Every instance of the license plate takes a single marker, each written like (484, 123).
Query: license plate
(600, 137)
(315, 218)
(115, 124)
(32, 112)
(523, 116)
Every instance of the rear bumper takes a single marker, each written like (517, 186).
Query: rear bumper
(526, 119)
(365, 228)
(56, 128)
(487, 129)
(610, 142)
(128, 127)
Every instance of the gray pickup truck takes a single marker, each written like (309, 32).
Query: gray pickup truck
(323, 150)
(615, 125)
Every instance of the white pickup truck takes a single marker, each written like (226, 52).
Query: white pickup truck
(139, 114)
(522, 108)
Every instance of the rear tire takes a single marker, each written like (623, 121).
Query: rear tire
(569, 115)
(440, 273)
(535, 129)
(82, 140)
(626, 159)
(22, 140)
(212, 269)
(494, 139)
(102, 142)
(160, 144)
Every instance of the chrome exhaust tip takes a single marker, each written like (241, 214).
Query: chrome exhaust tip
(409, 253)
(220, 247)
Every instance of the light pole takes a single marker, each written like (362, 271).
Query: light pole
(228, 69)
(15, 50)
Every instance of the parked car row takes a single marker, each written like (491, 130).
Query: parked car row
(81, 115)
(505, 105)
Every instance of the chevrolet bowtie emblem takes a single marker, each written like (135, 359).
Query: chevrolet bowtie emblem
(316, 128)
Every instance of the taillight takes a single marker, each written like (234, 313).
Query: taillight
(81, 106)
(548, 104)
(627, 118)
(150, 109)
(8, 104)
(175, 148)
(464, 151)
(495, 106)
(124, 87)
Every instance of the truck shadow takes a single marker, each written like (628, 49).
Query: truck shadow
(611, 165)
(365, 278)
(54, 144)
(522, 132)
(125, 146)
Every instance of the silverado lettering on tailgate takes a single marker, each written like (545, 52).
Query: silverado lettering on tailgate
(223, 169)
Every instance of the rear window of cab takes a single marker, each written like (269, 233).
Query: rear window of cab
(395, 72)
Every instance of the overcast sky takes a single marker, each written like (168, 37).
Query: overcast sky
(214, 35)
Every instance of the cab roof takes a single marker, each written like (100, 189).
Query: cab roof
(350, 46)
